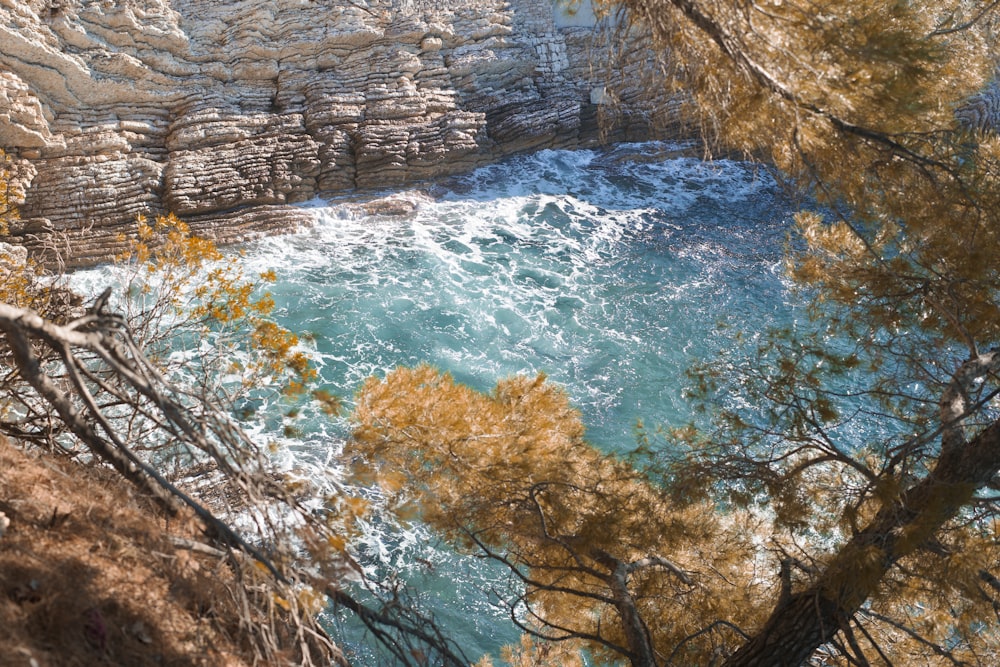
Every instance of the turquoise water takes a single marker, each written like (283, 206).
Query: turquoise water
(610, 271)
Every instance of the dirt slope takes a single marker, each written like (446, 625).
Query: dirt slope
(89, 575)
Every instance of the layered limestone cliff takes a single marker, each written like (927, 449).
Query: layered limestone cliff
(225, 111)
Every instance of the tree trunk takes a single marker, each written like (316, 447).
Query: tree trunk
(806, 620)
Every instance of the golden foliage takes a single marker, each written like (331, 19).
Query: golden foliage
(9, 195)
(23, 283)
(510, 473)
(18, 284)
(855, 102)
(532, 653)
(191, 307)
(209, 325)
(183, 289)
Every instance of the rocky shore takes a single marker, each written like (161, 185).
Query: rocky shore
(226, 111)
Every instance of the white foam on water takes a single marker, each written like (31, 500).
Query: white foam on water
(609, 271)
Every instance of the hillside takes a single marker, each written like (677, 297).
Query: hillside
(91, 574)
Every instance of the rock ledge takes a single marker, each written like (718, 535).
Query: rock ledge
(226, 111)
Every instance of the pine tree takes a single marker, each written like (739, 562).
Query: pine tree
(847, 517)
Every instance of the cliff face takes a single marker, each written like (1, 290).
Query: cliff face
(223, 111)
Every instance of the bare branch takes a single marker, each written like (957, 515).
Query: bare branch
(955, 400)
(99, 356)
(706, 630)
(659, 561)
(936, 648)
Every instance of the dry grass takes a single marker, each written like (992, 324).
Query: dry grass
(89, 575)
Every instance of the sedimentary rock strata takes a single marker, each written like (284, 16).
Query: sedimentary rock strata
(225, 111)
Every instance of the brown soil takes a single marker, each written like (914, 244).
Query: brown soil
(90, 576)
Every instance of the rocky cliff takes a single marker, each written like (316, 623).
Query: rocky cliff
(225, 111)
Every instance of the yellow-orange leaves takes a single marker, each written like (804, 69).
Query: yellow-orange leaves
(9, 195)
(510, 473)
(181, 284)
